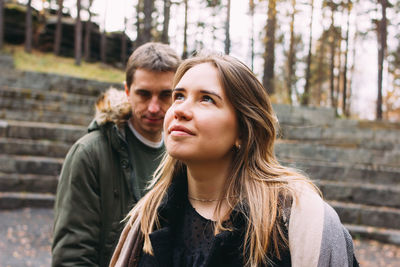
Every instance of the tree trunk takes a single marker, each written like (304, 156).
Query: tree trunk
(291, 55)
(58, 32)
(213, 25)
(332, 61)
(251, 7)
(185, 49)
(147, 26)
(103, 47)
(269, 55)
(78, 34)
(88, 32)
(227, 26)
(138, 40)
(28, 27)
(382, 35)
(123, 44)
(344, 96)
(1, 23)
(338, 52)
(352, 71)
(103, 39)
(306, 96)
(167, 9)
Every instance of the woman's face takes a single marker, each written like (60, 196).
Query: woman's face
(201, 124)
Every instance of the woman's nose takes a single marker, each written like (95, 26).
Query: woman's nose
(183, 111)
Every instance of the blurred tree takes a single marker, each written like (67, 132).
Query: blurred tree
(306, 95)
(227, 23)
(78, 34)
(148, 9)
(58, 32)
(382, 45)
(251, 11)
(215, 6)
(269, 54)
(199, 39)
(124, 40)
(346, 55)
(88, 32)
(338, 55)
(332, 47)
(167, 10)
(392, 98)
(185, 47)
(28, 27)
(1, 23)
(139, 10)
(291, 55)
(103, 38)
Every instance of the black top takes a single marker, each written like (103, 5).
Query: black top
(194, 241)
(176, 242)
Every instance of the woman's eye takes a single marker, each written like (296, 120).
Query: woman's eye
(207, 98)
(178, 96)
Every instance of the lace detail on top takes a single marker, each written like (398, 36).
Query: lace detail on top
(194, 240)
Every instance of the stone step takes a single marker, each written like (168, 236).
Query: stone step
(368, 194)
(352, 137)
(46, 148)
(30, 165)
(33, 105)
(50, 82)
(356, 173)
(14, 182)
(46, 96)
(299, 115)
(6, 60)
(45, 116)
(380, 234)
(41, 130)
(359, 214)
(300, 150)
(32, 100)
(12, 200)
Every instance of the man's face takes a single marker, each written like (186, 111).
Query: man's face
(150, 97)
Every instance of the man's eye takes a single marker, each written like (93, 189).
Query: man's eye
(143, 94)
(207, 98)
(165, 95)
(178, 96)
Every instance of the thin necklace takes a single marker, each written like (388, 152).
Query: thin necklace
(203, 199)
(208, 200)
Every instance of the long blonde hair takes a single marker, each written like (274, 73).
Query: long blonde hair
(257, 184)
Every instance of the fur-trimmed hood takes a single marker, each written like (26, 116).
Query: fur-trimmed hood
(112, 106)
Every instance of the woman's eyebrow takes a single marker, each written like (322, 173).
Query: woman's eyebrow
(207, 92)
(210, 93)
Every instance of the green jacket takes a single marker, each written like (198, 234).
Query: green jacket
(94, 193)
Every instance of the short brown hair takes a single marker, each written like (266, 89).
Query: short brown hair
(153, 57)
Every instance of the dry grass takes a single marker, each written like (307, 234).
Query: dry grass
(49, 63)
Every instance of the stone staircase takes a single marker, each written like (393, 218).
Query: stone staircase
(41, 116)
(356, 164)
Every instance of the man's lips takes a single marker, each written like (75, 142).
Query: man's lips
(153, 119)
(179, 130)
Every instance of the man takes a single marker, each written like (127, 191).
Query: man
(107, 170)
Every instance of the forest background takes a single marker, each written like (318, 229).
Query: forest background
(343, 54)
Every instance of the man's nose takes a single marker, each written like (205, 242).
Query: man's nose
(154, 105)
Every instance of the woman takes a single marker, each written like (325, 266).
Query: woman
(220, 197)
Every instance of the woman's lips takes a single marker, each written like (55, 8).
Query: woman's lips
(179, 130)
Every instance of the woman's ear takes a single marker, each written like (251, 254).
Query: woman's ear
(238, 144)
